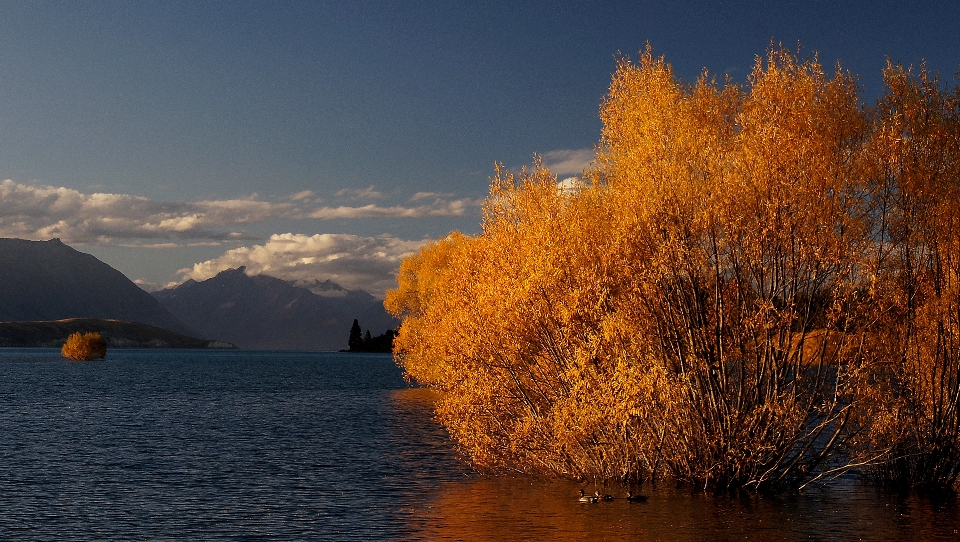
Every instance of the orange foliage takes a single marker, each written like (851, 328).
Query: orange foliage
(84, 347)
(915, 399)
(709, 304)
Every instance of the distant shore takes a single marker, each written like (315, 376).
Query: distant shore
(116, 333)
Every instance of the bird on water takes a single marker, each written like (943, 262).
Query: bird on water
(588, 498)
(636, 498)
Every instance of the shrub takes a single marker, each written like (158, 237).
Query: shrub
(751, 286)
(84, 347)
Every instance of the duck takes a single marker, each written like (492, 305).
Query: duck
(588, 498)
(636, 498)
(603, 497)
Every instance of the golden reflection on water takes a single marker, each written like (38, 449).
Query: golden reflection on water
(517, 508)
(526, 508)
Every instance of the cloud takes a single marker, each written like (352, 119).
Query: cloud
(429, 195)
(568, 162)
(570, 185)
(153, 286)
(44, 212)
(304, 195)
(360, 194)
(437, 208)
(151, 245)
(354, 262)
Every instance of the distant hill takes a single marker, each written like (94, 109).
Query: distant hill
(116, 333)
(267, 313)
(48, 280)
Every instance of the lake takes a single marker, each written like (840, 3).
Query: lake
(241, 445)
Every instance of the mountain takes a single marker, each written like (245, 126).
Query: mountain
(267, 313)
(47, 280)
(116, 333)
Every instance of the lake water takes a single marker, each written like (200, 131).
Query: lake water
(237, 445)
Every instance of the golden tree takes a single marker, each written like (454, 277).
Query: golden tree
(914, 416)
(746, 233)
(714, 301)
(84, 347)
(505, 326)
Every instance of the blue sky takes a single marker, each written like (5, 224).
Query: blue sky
(315, 140)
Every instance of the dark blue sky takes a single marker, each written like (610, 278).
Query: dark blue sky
(183, 110)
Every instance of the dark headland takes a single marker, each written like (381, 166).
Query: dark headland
(116, 333)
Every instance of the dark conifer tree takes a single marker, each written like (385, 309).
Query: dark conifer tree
(356, 336)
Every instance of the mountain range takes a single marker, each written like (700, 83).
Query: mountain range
(48, 280)
(266, 313)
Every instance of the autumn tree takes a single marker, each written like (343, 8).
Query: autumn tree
(709, 303)
(84, 347)
(914, 415)
(505, 326)
(744, 227)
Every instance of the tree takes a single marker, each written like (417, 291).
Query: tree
(356, 335)
(84, 347)
(913, 421)
(754, 286)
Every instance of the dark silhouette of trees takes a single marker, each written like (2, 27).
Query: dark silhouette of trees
(361, 341)
(355, 335)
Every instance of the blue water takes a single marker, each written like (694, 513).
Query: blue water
(239, 445)
(225, 444)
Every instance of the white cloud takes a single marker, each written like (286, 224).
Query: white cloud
(151, 245)
(360, 194)
(354, 262)
(304, 195)
(429, 195)
(44, 212)
(437, 208)
(570, 185)
(568, 161)
(153, 286)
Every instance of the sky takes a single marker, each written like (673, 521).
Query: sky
(329, 140)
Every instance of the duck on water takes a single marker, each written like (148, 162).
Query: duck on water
(588, 498)
(636, 498)
(597, 497)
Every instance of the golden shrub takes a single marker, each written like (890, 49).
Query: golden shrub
(84, 347)
(752, 286)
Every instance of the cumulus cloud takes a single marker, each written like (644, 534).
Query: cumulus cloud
(354, 262)
(570, 185)
(44, 212)
(568, 161)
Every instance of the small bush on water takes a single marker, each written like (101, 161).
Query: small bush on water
(84, 347)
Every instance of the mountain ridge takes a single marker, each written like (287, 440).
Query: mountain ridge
(48, 280)
(267, 313)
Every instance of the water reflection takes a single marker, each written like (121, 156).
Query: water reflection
(472, 507)
(518, 508)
